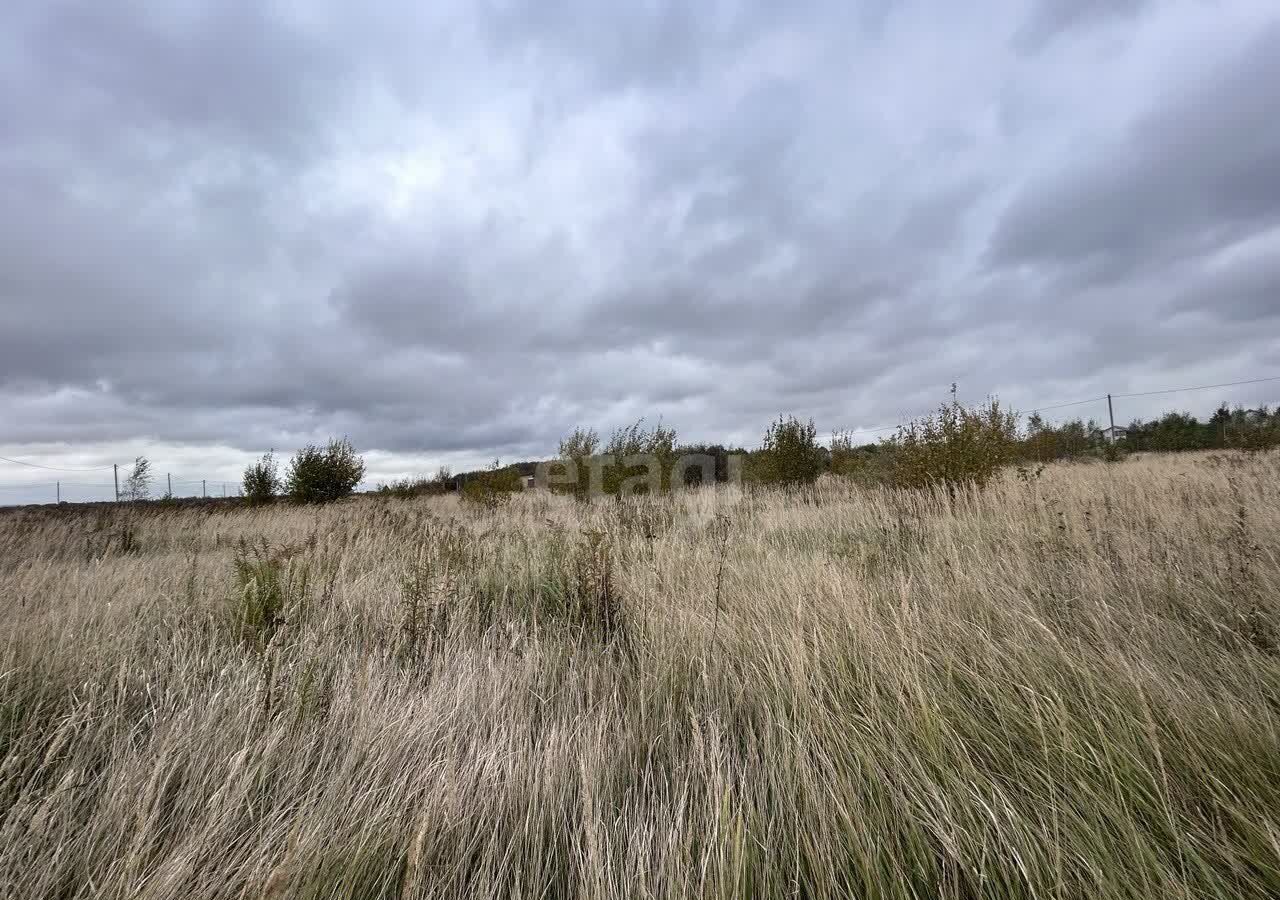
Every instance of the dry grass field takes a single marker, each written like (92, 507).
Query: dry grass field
(1065, 686)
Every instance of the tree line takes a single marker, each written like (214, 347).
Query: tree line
(956, 444)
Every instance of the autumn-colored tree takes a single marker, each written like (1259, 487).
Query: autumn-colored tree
(955, 445)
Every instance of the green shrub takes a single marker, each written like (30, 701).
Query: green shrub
(1113, 452)
(267, 582)
(657, 445)
(954, 446)
(1045, 443)
(407, 488)
(652, 453)
(790, 454)
(866, 463)
(322, 475)
(262, 480)
(578, 592)
(576, 454)
(492, 489)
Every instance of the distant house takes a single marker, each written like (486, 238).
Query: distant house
(1113, 434)
(527, 472)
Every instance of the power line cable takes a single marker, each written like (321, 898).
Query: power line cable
(54, 468)
(871, 430)
(1072, 403)
(1202, 387)
(77, 484)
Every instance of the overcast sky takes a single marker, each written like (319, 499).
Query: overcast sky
(453, 231)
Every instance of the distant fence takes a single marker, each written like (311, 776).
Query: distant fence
(58, 491)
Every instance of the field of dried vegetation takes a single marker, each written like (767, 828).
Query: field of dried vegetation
(1064, 686)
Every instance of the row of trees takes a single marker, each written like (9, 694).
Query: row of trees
(954, 445)
(1240, 429)
(1229, 429)
(315, 475)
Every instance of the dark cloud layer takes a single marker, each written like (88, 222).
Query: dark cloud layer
(1197, 171)
(455, 231)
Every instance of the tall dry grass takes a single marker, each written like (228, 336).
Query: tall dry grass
(1063, 686)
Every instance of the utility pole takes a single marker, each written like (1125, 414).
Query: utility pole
(115, 473)
(1111, 415)
(169, 475)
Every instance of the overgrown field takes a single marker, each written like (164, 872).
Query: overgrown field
(1066, 685)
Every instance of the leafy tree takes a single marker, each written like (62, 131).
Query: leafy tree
(1220, 419)
(652, 454)
(790, 453)
(261, 481)
(954, 446)
(138, 485)
(324, 474)
(846, 454)
(583, 442)
(571, 473)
